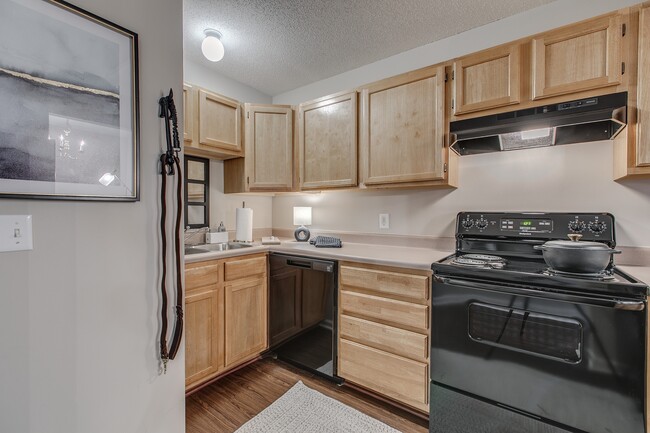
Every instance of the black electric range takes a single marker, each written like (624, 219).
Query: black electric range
(517, 347)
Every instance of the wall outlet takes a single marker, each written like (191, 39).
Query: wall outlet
(384, 221)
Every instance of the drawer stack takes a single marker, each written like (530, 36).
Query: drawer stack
(384, 331)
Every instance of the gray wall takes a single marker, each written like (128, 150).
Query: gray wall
(78, 317)
(568, 178)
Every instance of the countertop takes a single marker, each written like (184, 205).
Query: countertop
(641, 273)
(402, 257)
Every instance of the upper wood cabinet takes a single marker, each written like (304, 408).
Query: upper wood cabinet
(579, 57)
(188, 114)
(219, 122)
(632, 145)
(643, 94)
(268, 165)
(327, 141)
(487, 79)
(211, 124)
(402, 139)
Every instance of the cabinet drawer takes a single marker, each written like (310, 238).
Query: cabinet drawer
(409, 286)
(201, 274)
(385, 310)
(244, 268)
(387, 338)
(391, 375)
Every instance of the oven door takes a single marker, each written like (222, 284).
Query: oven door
(574, 361)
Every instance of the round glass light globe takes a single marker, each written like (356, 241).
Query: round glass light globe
(212, 48)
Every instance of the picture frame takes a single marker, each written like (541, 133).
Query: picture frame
(70, 95)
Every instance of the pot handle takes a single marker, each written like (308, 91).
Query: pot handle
(539, 247)
(616, 251)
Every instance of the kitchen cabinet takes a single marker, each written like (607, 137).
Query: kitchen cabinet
(327, 142)
(203, 321)
(632, 145)
(402, 139)
(246, 319)
(268, 143)
(384, 331)
(583, 56)
(488, 79)
(225, 315)
(211, 124)
(188, 114)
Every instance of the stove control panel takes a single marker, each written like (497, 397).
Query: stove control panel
(536, 225)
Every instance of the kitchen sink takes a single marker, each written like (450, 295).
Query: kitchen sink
(206, 248)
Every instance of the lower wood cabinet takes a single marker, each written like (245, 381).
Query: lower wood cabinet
(384, 331)
(226, 306)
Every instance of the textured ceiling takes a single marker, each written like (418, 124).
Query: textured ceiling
(279, 45)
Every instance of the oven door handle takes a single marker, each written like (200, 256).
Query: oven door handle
(609, 303)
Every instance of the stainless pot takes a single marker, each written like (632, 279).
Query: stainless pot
(576, 256)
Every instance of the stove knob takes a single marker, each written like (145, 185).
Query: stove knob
(577, 226)
(597, 227)
(481, 224)
(468, 224)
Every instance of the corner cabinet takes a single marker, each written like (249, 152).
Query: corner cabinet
(402, 139)
(211, 123)
(225, 315)
(384, 331)
(268, 143)
(584, 56)
(488, 79)
(327, 142)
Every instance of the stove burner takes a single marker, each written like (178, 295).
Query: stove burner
(483, 261)
(598, 276)
(484, 257)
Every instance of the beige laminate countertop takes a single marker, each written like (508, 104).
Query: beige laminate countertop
(641, 273)
(403, 257)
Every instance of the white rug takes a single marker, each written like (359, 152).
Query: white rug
(303, 410)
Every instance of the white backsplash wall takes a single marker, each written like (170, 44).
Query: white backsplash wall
(222, 206)
(569, 178)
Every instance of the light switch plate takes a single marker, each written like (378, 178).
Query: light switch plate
(16, 233)
(384, 221)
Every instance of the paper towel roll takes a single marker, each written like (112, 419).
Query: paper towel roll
(244, 224)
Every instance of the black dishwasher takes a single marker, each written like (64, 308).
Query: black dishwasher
(303, 312)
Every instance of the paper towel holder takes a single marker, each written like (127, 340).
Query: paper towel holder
(302, 218)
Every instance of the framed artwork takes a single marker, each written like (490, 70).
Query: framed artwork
(69, 127)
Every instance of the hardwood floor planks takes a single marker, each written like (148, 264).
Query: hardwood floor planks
(227, 404)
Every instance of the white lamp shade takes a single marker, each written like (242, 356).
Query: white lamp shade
(212, 48)
(301, 216)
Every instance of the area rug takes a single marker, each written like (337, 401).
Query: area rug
(303, 410)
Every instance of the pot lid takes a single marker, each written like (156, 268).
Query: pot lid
(576, 244)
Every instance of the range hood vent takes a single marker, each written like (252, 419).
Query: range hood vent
(583, 120)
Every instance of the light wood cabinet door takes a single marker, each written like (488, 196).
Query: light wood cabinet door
(219, 122)
(203, 335)
(245, 319)
(402, 128)
(643, 95)
(576, 58)
(188, 114)
(269, 147)
(327, 140)
(487, 80)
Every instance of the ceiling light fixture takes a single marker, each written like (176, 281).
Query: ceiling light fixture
(211, 47)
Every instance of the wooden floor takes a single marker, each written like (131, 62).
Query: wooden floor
(227, 404)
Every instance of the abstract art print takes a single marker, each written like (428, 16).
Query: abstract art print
(69, 94)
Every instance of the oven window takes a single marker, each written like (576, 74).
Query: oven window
(539, 334)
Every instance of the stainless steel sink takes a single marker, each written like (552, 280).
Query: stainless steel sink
(206, 248)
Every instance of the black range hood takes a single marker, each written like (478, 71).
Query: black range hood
(591, 119)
